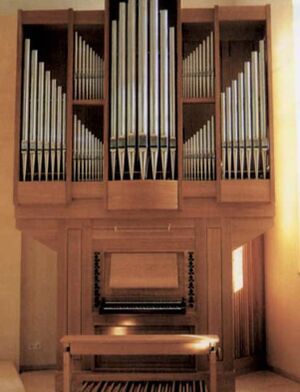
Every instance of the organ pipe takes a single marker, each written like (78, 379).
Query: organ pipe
(43, 121)
(198, 70)
(243, 121)
(143, 137)
(88, 70)
(199, 154)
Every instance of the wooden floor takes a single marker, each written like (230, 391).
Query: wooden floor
(263, 381)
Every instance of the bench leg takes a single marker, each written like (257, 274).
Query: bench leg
(213, 371)
(67, 376)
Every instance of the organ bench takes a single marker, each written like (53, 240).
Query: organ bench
(74, 345)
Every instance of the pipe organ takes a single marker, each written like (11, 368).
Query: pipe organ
(144, 156)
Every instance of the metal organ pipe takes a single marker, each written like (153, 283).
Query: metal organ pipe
(43, 121)
(154, 86)
(143, 137)
(131, 85)
(198, 70)
(199, 154)
(243, 121)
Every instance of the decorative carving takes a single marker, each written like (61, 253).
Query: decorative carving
(191, 280)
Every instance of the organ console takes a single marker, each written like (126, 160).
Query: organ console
(157, 120)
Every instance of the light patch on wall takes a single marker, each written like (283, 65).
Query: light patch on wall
(237, 266)
(296, 28)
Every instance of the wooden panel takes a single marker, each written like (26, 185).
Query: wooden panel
(214, 265)
(199, 189)
(87, 190)
(62, 295)
(38, 193)
(18, 106)
(89, 17)
(197, 15)
(242, 13)
(245, 191)
(143, 271)
(227, 316)
(142, 195)
(69, 114)
(74, 250)
(143, 245)
(217, 61)
(45, 17)
(87, 289)
(244, 230)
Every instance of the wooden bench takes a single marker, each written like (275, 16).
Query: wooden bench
(75, 345)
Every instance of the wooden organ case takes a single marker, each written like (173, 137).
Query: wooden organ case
(145, 191)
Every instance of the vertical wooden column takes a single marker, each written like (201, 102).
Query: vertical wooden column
(179, 104)
(69, 117)
(227, 296)
(201, 276)
(106, 113)
(87, 280)
(217, 65)
(214, 266)
(62, 294)
(74, 254)
(17, 157)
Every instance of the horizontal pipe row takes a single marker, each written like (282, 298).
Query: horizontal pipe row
(43, 140)
(143, 386)
(198, 70)
(87, 153)
(88, 71)
(199, 154)
(143, 92)
(245, 143)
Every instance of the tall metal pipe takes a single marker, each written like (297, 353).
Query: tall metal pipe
(25, 112)
(255, 114)
(173, 102)
(47, 122)
(228, 130)
(113, 112)
(53, 126)
(33, 110)
(40, 120)
(143, 86)
(248, 119)
(122, 88)
(131, 85)
(164, 91)
(234, 107)
(154, 86)
(263, 109)
(241, 122)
